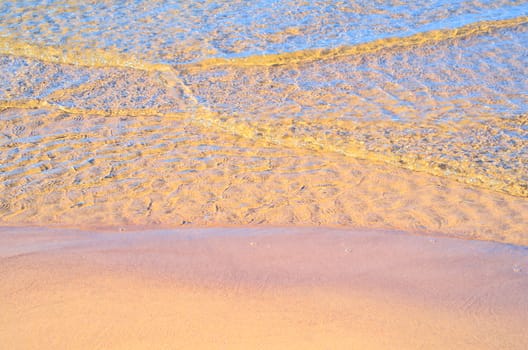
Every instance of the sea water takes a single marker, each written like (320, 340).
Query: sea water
(248, 112)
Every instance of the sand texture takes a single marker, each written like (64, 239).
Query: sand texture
(416, 133)
(98, 171)
(259, 288)
(263, 174)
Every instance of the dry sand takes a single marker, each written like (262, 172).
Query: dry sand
(259, 288)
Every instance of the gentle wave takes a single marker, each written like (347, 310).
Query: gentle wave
(391, 43)
(190, 31)
(328, 135)
(326, 131)
(76, 56)
(106, 58)
(112, 134)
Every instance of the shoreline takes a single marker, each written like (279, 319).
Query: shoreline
(259, 288)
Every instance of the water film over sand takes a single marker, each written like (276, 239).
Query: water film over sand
(425, 132)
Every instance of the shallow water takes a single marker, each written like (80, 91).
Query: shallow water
(147, 112)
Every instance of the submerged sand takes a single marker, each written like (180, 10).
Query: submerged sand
(259, 288)
(423, 133)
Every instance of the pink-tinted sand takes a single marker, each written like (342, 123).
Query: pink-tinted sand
(259, 288)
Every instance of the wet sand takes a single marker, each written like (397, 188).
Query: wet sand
(417, 132)
(259, 288)
(317, 134)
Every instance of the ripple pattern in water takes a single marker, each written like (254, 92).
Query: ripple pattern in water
(169, 107)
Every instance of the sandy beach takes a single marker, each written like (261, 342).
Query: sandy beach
(259, 288)
(263, 174)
